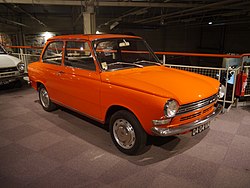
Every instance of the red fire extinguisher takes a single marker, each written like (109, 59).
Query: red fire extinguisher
(241, 83)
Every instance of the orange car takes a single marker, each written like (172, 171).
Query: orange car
(117, 80)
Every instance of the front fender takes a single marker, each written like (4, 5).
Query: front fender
(144, 106)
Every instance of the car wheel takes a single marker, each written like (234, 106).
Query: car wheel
(127, 133)
(45, 101)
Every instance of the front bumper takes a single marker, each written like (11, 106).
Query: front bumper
(7, 80)
(170, 131)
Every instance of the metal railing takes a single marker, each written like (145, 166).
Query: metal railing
(221, 74)
(26, 58)
(227, 76)
(27, 54)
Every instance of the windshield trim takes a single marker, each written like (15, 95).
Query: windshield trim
(4, 51)
(111, 70)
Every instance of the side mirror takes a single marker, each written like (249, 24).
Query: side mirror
(9, 52)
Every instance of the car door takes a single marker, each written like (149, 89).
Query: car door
(81, 79)
(52, 68)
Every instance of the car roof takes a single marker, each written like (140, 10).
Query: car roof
(91, 37)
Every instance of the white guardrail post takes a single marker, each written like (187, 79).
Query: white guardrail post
(164, 59)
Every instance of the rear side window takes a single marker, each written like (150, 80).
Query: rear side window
(78, 55)
(53, 53)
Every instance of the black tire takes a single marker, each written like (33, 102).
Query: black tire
(45, 101)
(127, 133)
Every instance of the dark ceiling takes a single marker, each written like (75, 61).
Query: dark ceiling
(127, 13)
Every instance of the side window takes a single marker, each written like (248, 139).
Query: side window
(78, 54)
(53, 53)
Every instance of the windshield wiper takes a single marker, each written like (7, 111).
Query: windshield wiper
(124, 63)
(145, 61)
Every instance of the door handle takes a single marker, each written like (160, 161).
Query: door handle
(60, 72)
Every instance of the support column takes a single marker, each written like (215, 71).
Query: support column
(89, 21)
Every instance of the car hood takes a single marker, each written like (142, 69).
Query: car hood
(185, 87)
(8, 61)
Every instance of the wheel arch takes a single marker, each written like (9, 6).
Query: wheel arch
(38, 84)
(114, 108)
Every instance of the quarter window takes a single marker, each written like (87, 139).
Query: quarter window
(53, 53)
(78, 55)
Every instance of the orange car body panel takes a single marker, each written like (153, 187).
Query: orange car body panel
(143, 91)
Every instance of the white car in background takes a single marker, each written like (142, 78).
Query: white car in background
(12, 69)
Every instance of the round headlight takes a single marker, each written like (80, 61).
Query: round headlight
(171, 108)
(20, 67)
(222, 90)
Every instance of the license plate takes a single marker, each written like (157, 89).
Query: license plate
(4, 82)
(199, 129)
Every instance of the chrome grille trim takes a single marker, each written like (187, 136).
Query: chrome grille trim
(8, 69)
(196, 105)
(7, 74)
(190, 116)
(206, 110)
(196, 114)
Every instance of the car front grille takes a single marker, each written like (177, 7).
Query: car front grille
(190, 116)
(197, 105)
(8, 72)
(9, 69)
(206, 110)
(195, 115)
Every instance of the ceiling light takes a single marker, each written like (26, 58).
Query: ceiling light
(210, 23)
(47, 35)
(162, 22)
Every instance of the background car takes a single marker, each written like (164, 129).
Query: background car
(12, 69)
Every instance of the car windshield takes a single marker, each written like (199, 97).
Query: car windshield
(2, 50)
(120, 53)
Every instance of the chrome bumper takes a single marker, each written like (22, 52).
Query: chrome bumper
(7, 80)
(158, 131)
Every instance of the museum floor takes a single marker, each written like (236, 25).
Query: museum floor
(64, 149)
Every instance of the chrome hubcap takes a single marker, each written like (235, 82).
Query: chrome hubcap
(44, 97)
(124, 133)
